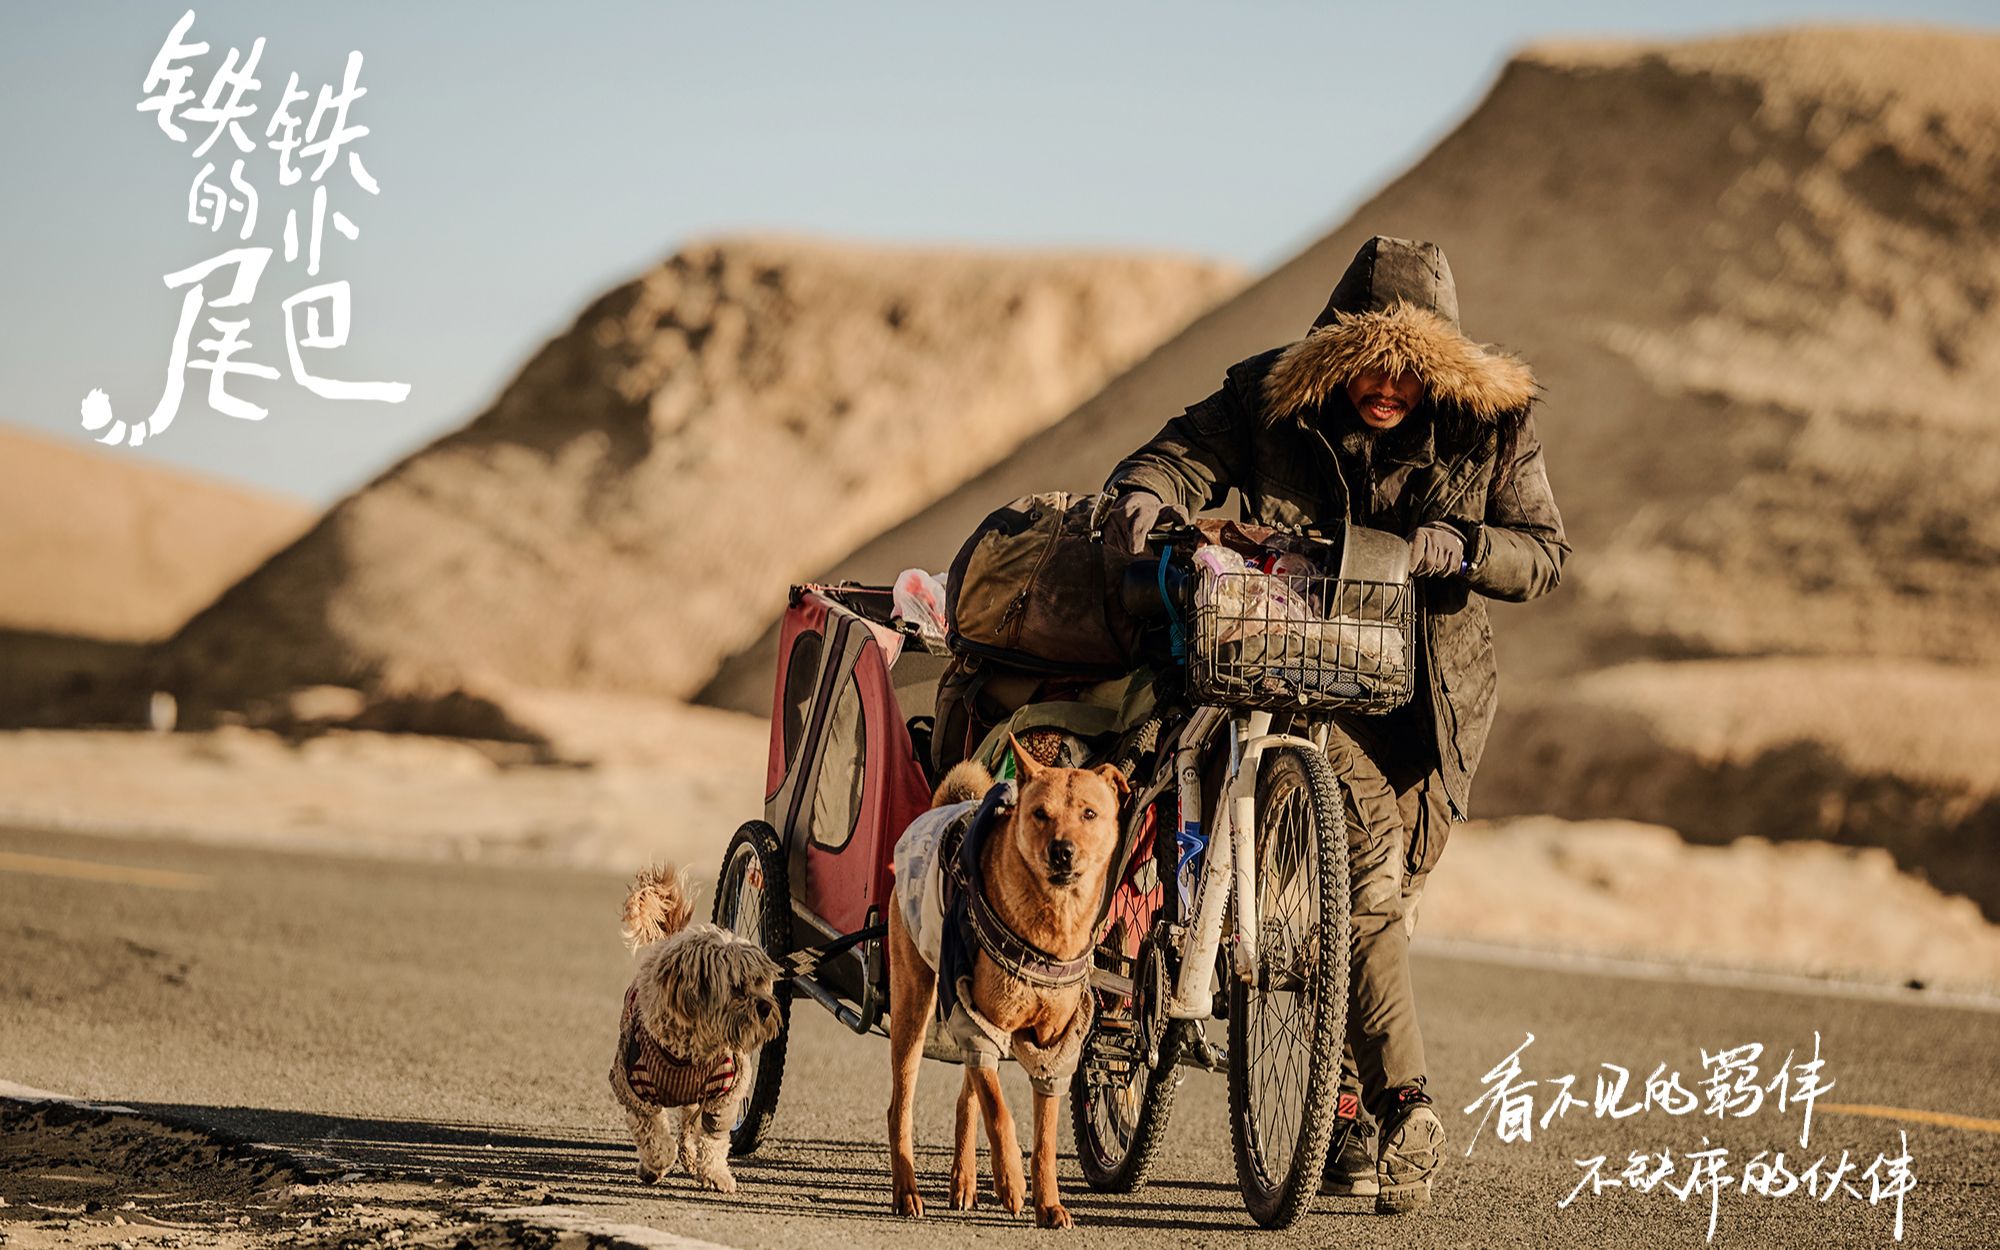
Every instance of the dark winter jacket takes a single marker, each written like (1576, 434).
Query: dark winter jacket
(1474, 463)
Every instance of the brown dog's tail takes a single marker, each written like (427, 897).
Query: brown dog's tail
(657, 905)
(968, 781)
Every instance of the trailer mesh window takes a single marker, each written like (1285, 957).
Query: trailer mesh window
(843, 751)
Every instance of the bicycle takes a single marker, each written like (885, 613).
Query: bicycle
(1256, 867)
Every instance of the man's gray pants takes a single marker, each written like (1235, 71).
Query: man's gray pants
(1397, 822)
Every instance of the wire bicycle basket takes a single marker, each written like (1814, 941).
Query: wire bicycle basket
(1269, 627)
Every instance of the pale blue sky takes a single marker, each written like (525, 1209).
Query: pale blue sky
(531, 155)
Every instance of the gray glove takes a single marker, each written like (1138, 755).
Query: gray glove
(1436, 551)
(1133, 516)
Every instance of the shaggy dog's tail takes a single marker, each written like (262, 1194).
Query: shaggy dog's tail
(968, 781)
(657, 905)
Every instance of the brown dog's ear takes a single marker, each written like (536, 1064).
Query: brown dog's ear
(1025, 765)
(1117, 779)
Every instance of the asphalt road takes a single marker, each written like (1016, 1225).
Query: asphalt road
(460, 1018)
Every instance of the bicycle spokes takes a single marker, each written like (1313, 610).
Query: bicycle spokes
(1281, 1005)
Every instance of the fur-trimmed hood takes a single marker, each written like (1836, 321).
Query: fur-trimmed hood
(1481, 381)
(1395, 308)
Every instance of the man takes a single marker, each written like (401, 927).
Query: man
(1384, 415)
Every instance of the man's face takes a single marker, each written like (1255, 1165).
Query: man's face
(1383, 401)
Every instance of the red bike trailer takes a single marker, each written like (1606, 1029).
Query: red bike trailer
(847, 771)
(844, 778)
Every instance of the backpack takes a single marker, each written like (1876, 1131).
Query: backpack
(1035, 589)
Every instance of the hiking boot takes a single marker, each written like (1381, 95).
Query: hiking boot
(1350, 1162)
(1412, 1149)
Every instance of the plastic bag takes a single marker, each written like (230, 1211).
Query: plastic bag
(1252, 599)
(919, 600)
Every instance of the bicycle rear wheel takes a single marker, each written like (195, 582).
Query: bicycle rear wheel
(1286, 1025)
(1123, 1091)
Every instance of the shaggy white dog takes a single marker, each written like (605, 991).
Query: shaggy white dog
(702, 1000)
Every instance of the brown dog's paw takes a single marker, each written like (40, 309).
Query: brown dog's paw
(1055, 1216)
(1010, 1190)
(964, 1190)
(909, 1202)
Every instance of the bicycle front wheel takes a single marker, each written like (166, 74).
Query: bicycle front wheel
(1286, 1024)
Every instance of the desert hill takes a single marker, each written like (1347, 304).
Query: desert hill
(632, 506)
(111, 548)
(1759, 278)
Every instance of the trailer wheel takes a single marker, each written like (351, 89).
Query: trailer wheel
(753, 900)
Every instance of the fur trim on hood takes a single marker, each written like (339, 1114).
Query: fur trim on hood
(1481, 381)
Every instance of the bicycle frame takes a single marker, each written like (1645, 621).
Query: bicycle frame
(1228, 857)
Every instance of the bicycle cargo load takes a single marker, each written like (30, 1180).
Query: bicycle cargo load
(1281, 621)
(1034, 588)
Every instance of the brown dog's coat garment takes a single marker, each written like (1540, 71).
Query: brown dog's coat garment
(919, 863)
(981, 1042)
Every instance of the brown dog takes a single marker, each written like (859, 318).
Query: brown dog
(1044, 876)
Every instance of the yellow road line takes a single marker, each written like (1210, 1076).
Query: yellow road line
(1944, 1119)
(87, 870)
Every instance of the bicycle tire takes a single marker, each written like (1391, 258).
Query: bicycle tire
(1115, 1153)
(755, 846)
(1303, 943)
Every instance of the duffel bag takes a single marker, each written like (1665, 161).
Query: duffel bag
(1035, 589)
